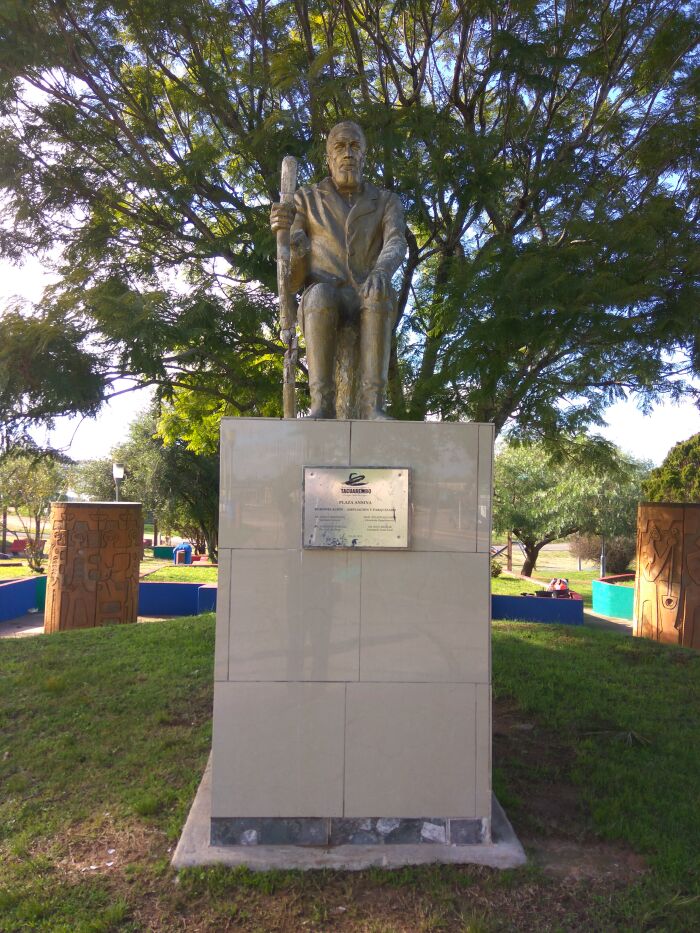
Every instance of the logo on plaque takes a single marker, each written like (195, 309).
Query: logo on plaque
(356, 479)
(362, 508)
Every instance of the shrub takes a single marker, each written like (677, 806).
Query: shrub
(618, 551)
(495, 568)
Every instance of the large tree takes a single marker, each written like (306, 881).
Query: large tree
(180, 486)
(29, 483)
(539, 498)
(545, 152)
(678, 477)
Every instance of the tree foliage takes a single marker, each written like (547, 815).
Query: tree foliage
(29, 483)
(93, 479)
(546, 154)
(180, 486)
(44, 371)
(540, 499)
(678, 477)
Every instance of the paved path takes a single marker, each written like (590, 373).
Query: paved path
(33, 624)
(30, 624)
(595, 620)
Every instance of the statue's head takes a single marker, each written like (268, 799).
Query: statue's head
(345, 153)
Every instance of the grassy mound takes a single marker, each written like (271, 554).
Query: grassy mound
(105, 734)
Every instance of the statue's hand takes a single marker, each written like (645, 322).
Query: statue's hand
(281, 217)
(288, 335)
(300, 243)
(377, 286)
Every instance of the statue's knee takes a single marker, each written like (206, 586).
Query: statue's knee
(320, 297)
(380, 302)
(375, 304)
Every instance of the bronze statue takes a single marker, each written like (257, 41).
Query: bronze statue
(347, 240)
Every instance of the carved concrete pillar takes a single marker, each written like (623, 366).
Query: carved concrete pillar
(667, 586)
(93, 573)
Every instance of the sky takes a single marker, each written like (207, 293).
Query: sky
(646, 437)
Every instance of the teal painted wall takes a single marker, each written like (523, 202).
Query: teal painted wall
(41, 593)
(609, 599)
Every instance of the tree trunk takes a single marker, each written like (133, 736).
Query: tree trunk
(155, 530)
(396, 396)
(532, 552)
(212, 539)
(421, 391)
(33, 550)
(509, 553)
(3, 549)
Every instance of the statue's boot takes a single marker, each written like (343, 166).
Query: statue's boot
(320, 332)
(375, 345)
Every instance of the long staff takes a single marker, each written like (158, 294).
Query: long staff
(288, 330)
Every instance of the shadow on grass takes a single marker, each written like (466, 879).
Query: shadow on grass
(629, 711)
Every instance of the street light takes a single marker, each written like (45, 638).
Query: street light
(117, 473)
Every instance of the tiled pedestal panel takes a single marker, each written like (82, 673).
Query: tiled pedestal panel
(352, 696)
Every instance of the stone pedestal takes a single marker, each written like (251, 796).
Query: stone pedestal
(352, 702)
(667, 585)
(93, 569)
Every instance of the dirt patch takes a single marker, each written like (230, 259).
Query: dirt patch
(553, 822)
(105, 848)
(589, 861)
(538, 765)
(444, 898)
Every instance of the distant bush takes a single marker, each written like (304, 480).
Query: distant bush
(619, 552)
(496, 568)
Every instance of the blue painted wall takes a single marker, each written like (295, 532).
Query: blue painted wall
(176, 599)
(17, 597)
(537, 609)
(169, 599)
(207, 597)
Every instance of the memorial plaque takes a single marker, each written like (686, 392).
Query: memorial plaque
(355, 507)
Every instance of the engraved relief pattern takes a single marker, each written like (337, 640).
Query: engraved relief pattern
(667, 595)
(93, 568)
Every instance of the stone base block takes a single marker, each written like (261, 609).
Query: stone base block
(196, 848)
(310, 831)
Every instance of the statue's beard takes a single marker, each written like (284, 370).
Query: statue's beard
(347, 177)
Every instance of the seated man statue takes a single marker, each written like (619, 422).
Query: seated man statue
(347, 240)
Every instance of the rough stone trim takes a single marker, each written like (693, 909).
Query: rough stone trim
(324, 831)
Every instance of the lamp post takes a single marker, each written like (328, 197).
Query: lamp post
(118, 474)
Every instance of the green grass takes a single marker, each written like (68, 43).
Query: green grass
(511, 586)
(104, 736)
(630, 709)
(579, 580)
(14, 573)
(191, 574)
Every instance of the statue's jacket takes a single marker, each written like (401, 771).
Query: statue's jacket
(346, 244)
